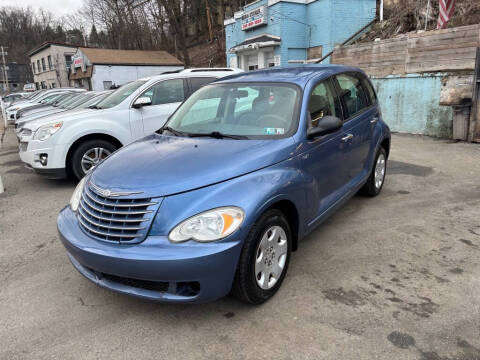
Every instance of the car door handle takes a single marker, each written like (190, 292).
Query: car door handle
(348, 137)
(374, 120)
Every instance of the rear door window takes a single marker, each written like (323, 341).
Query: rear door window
(372, 96)
(353, 94)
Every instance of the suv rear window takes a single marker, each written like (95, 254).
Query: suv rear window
(197, 83)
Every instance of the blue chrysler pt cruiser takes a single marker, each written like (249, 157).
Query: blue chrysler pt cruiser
(216, 200)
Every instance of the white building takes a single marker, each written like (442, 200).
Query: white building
(99, 69)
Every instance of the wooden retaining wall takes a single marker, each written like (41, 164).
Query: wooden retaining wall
(432, 51)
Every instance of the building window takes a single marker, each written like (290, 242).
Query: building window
(33, 67)
(39, 69)
(50, 65)
(107, 85)
(44, 68)
(53, 85)
(68, 61)
(44, 85)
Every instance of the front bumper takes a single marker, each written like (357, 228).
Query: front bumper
(191, 272)
(30, 152)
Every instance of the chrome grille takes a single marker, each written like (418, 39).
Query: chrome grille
(115, 219)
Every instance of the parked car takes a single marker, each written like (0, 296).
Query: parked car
(74, 102)
(74, 143)
(217, 199)
(67, 101)
(9, 99)
(46, 95)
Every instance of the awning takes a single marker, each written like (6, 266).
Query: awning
(257, 42)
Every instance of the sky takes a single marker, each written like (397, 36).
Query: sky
(57, 7)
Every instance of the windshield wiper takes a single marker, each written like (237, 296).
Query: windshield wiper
(94, 107)
(219, 135)
(173, 131)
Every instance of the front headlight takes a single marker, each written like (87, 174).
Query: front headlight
(208, 226)
(77, 195)
(45, 131)
(13, 109)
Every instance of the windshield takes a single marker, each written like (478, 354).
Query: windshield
(79, 100)
(66, 100)
(50, 98)
(251, 110)
(120, 94)
(94, 101)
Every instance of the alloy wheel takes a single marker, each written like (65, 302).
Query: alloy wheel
(93, 157)
(380, 171)
(271, 256)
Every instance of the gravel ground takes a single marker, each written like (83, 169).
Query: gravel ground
(394, 277)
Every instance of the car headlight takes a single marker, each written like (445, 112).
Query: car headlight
(77, 195)
(13, 109)
(45, 131)
(208, 226)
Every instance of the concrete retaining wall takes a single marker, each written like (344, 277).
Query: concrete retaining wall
(410, 104)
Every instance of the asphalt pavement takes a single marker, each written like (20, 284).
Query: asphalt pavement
(393, 277)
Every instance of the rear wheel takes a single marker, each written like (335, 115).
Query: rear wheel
(374, 184)
(89, 154)
(264, 259)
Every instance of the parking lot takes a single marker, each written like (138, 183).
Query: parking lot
(393, 277)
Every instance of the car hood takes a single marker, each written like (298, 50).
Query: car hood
(65, 116)
(164, 165)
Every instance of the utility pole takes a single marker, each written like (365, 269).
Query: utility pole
(5, 74)
(5, 82)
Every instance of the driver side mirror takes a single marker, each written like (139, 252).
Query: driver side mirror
(142, 101)
(326, 125)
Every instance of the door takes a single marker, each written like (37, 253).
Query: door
(166, 96)
(359, 117)
(324, 161)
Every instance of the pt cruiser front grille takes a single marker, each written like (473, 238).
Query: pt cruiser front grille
(115, 219)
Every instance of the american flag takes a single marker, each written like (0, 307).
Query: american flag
(447, 7)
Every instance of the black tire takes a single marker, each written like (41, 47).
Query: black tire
(370, 189)
(84, 148)
(245, 285)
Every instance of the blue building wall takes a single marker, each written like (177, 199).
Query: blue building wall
(304, 25)
(410, 104)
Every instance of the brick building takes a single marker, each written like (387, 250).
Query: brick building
(277, 32)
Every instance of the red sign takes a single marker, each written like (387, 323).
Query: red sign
(77, 62)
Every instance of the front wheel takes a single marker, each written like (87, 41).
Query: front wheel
(88, 155)
(264, 259)
(374, 184)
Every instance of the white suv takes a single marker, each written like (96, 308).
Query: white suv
(72, 143)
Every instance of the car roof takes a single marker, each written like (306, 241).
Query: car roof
(295, 74)
(210, 72)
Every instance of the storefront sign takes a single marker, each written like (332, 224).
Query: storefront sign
(254, 18)
(77, 62)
